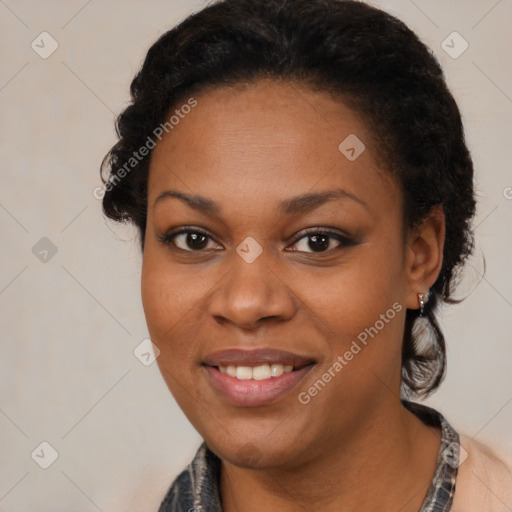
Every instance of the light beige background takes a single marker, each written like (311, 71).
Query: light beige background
(70, 325)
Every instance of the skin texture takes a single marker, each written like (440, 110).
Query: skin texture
(248, 148)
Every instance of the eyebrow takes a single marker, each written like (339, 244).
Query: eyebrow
(196, 202)
(310, 201)
(295, 205)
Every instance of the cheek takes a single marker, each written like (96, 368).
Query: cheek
(168, 297)
(355, 294)
(174, 298)
(361, 310)
(158, 295)
(168, 289)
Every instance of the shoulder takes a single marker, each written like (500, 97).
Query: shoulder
(197, 487)
(484, 479)
(179, 497)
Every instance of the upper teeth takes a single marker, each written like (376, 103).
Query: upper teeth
(265, 371)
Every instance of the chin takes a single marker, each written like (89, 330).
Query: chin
(256, 454)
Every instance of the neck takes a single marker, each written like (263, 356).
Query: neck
(388, 465)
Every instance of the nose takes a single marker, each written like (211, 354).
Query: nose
(251, 294)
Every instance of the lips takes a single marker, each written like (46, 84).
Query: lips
(251, 378)
(256, 357)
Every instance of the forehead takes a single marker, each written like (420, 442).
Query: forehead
(268, 140)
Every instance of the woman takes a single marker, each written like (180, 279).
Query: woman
(299, 177)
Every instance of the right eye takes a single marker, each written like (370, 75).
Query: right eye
(189, 240)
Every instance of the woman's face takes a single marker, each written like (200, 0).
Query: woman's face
(268, 246)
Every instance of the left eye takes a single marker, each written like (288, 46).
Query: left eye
(321, 241)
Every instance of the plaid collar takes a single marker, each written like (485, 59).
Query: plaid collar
(440, 494)
(196, 489)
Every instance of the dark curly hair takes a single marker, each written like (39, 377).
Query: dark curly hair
(373, 63)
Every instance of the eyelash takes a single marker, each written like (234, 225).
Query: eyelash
(343, 239)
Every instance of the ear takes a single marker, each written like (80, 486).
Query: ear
(424, 255)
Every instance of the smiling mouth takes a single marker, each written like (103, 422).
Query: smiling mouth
(259, 372)
(258, 377)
